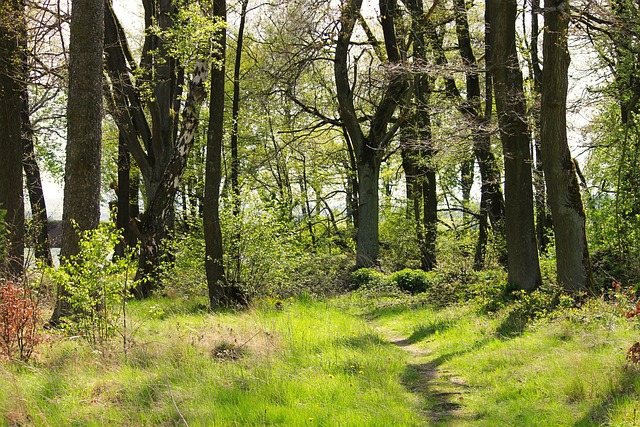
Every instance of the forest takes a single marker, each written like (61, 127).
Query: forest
(314, 212)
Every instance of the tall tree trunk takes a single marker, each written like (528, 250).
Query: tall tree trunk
(368, 239)
(81, 204)
(543, 217)
(235, 162)
(11, 193)
(368, 149)
(522, 252)
(572, 253)
(221, 293)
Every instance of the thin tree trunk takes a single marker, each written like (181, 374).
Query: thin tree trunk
(123, 215)
(424, 170)
(221, 293)
(491, 199)
(39, 221)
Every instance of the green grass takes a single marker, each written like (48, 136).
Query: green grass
(332, 363)
(569, 370)
(306, 364)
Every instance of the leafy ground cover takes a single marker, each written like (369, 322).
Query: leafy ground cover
(370, 358)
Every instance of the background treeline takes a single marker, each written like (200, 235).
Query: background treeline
(270, 148)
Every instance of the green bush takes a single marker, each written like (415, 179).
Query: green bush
(94, 285)
(413, 281)
(185, 275)
(365, 278)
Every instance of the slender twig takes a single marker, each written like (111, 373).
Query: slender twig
(174, 401)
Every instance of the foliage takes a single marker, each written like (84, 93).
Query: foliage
(193, 35)
(261, 250)
(19, 321)
(185, 274)
(613, 205)
(399, 246)
(367, 278)
(413, 281)
(95, 285)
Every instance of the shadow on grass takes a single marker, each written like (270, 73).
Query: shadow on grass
(442, 393)
(512, 326)
(362, 341)
(426, 330)
(625, 389)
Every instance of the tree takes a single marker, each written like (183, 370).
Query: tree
(144, 100)
(572, 253)
(11, 193)
(418, 148)
(219, 291)
(522, 253)
(368, 148)
(81, 204)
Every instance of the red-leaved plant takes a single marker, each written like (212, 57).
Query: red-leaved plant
(19, 321)
(633, 353)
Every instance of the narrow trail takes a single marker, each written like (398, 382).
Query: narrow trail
(439, 392)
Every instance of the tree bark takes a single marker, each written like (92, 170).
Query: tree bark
(368, 149)
(572, 253)
(81, 204)
(221, 293)
(522, 253)
(11, 193)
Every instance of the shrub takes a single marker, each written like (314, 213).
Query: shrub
(185, 273)
(19, 321)
(95, 285)
(413, 281)
(365, 278)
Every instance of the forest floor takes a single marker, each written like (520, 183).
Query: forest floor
(356, 360)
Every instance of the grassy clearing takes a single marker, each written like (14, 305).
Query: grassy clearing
(364, 359)
(301, 363)
(568, 369)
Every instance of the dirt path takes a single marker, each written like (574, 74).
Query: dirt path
(439, 392)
